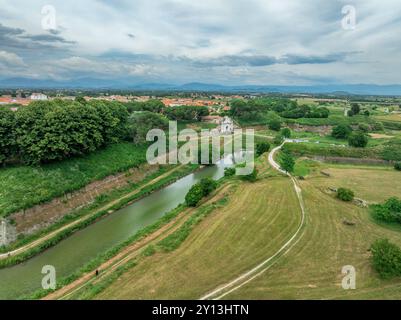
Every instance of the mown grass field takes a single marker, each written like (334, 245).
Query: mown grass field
(312, 269)
(25, 186)
(373, 184)
(257, 220)
(390, 117)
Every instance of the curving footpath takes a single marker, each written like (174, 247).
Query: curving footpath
(266, 264)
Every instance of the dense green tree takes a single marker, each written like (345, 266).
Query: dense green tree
(154, 105)
(274, 124)
(8, 145)
(229, 172)
(345, 194)
(261, 148)
(80, 99)
(141, 122)
(355, 108)
(113, 119)
(286, 132)
(243, 110)
(364, 127)
(358, 139)
(397, 166)
(342, 131)
(389, 211)
(194, 195)
(200, 190)
(386, 258)
(47, 133)
(287, 161)
(208, 185)
(278, 139)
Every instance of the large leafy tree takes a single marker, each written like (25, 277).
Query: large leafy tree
(56, 130)
(142, 121)
(287, 161)
(7, 134)
(358, 139)
(342, 131)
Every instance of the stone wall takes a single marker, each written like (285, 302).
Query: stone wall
(41, 216)
(8, 233)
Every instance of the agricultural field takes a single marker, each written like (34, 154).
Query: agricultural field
(312, 269)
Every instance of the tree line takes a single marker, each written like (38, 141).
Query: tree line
(285, 108)
(54, 130)
(46, 131)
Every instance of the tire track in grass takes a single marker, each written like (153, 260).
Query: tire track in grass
(250, 275)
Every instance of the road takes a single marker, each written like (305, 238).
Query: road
(253, 273)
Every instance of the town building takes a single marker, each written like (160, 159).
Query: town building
(38, 96)
(227, 126)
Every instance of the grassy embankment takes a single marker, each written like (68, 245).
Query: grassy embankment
(81, 218)
(24, 186)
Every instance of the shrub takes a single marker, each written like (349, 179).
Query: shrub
(364, 127)
(287, 161)
(194, 195)
(274, 124)
(355, 108)
(278, 139)
(389, 211)
(262, 147)
(392, 150)
(397, 166)
(7, 134)
(229, 172)
(341, 131)
(286, 132)
(386, 258)
(207, 185)
(200, 190)
(345, 194)
(358, 140)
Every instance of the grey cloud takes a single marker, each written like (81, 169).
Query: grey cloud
(46, 38)
(264, 60)
(298, 59)
(7, 31)
(234, 60)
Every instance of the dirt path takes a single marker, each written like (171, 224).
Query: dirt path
(105, 207)
(248, 276)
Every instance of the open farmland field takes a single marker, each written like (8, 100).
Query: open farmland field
(390, 117)
(312, 269)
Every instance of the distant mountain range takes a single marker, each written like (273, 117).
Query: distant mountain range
(97, 84)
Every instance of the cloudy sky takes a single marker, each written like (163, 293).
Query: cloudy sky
(289, 42)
